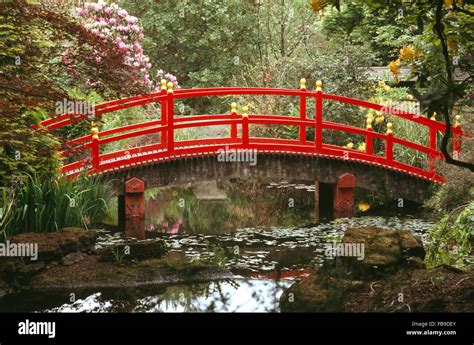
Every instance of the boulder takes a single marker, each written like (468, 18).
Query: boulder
(141, 250)
(316, 293)
(55, 245)
(50, 247)
(73, 258)
(386, 251)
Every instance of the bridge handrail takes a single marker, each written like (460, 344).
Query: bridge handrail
(168, 123)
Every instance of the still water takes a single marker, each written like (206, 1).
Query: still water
(263, 234)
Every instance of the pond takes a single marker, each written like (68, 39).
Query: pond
(265, 259)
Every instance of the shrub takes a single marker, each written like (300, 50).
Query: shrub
(450, 240)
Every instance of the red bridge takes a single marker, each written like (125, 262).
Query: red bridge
(169, 149)
(168, 161)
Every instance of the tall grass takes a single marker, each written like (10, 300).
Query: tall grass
(48, 206)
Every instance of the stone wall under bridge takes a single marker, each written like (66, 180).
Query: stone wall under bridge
(277, 166)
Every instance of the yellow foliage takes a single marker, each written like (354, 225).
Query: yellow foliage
(408, 53)
(452, 44)
(394, 67)
(363, 206)
(449, 3)
(361, 147)
(318, 5)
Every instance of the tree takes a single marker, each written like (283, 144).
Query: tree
(442, 36)
(33, 39)
(204, 43)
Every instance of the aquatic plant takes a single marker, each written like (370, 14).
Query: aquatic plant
(50, 205)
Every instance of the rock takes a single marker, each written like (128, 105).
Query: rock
(50, 247)
(4, 289)
(142, 250)
(32, 269)
(55, 245)
(73, 258)
(386, 251)
(317, 293)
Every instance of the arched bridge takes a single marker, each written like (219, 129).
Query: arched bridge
(169, 160)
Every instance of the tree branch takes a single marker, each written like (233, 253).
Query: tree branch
(449, 94)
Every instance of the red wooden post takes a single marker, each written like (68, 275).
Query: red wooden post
(318, 129)
(233, 127)
(433, 146)
(303, 110)
(95, 152)
(368, 137)
(135, 208)
(245, 127)
(164, 116)
(389, 143)
(170, 117)
(457, 133)
(344, 196)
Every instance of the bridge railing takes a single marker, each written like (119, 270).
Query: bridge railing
(168, 124)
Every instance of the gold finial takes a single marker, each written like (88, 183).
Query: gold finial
(457, 120)
(233, 107)
(163, 84)
(302, 84)
(94, 130)
(433, 117)
(319, 85)
(170, 87)
(245, 111)
(369, 122)
(389, 128)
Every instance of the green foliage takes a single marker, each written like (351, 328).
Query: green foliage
(23, 149)
(118, 255)
(201, 42)
(217, 255)
(359, 22)
(50, 205)
(450, 240)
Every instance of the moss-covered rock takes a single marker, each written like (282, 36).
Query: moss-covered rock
(386, 251)
(142, 250)
(51, 247)
(316, 293)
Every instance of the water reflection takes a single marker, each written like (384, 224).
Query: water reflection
(218, 207)
(237, 295)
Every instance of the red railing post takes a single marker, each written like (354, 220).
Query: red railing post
(318, 116)
(389, 143)
(434, 146)
(457, 133)
(163, 116)
(368, 137)
(233, 127)
(94, 152)
(170, 117)
(303, 110)
(245, 127)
